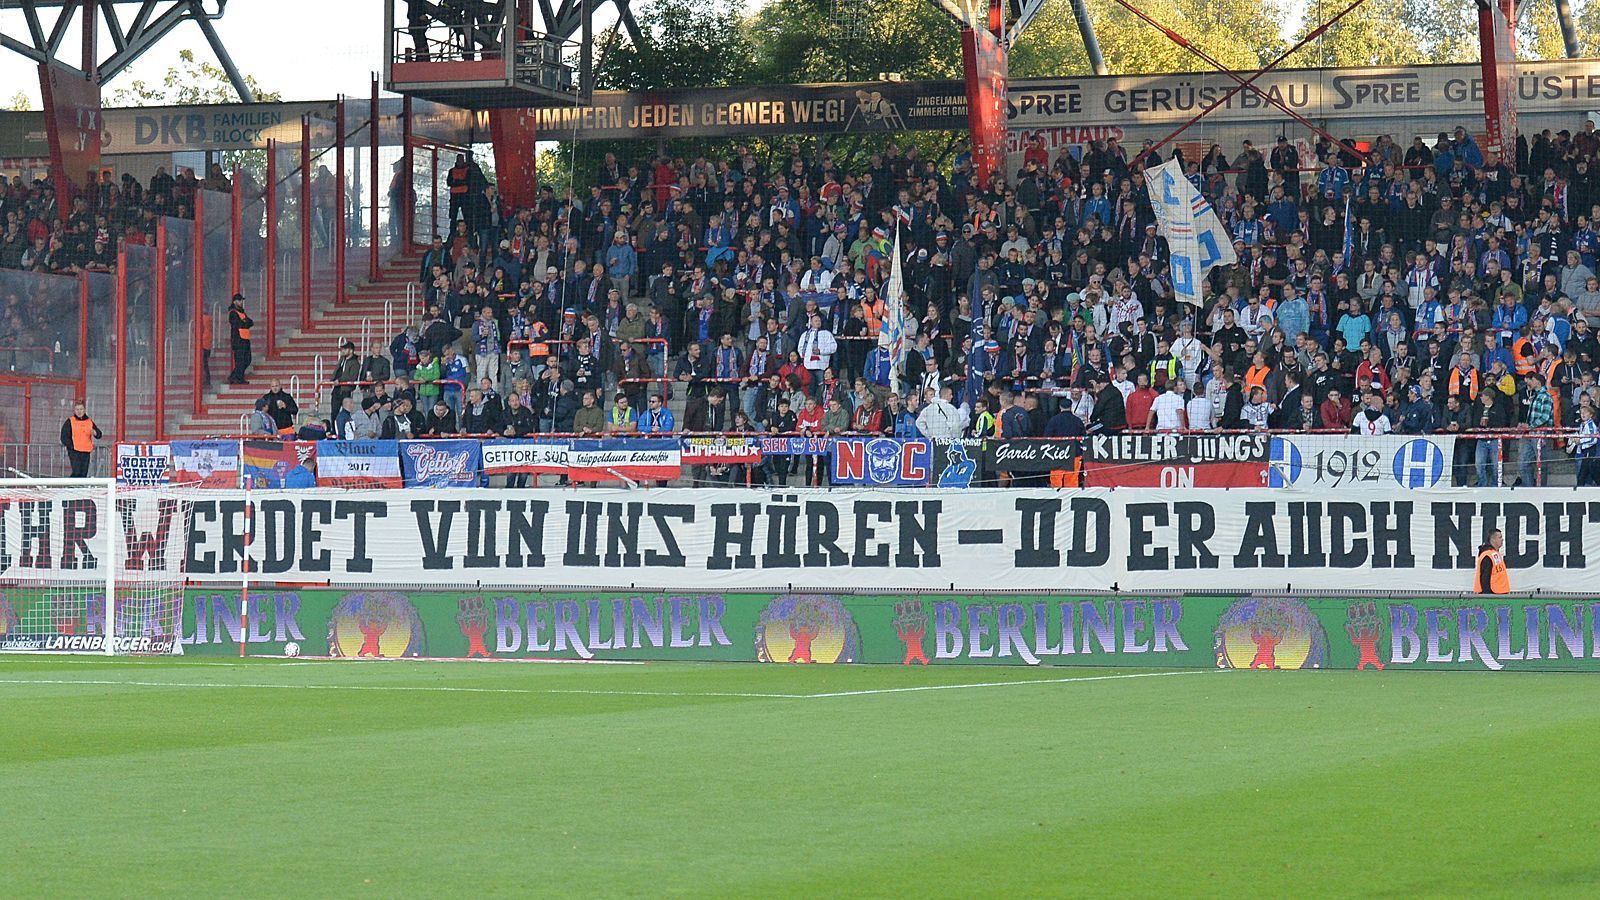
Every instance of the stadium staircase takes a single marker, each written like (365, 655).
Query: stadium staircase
(331, 324)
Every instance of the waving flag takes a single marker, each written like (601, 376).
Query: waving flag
(1193, 232)
(1349, 235)
(892, 337)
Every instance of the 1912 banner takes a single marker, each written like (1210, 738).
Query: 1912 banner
(683, 539)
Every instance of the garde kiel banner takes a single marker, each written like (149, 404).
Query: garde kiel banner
(683, 539)
(1231, 632)
(1032, 456)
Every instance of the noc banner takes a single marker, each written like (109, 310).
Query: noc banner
(684, 539)
(881, 461)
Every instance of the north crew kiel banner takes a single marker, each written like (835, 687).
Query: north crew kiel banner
(1092, 539)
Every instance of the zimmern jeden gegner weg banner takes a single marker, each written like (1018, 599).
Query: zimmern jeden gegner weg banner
(1091, 539)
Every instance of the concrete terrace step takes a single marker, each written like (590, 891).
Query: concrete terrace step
(296, 352)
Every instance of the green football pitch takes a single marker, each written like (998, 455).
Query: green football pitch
(295, 778)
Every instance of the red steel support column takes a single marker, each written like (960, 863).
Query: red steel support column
(305, 221)
(1498, 55)
(120, 315)
(408, 197)
(270, 201)
(27, 422)
(197, 312)
(236, 231)
(159, 342)
(341, 217)
(372, 185)
(83, 336)
(433, 185)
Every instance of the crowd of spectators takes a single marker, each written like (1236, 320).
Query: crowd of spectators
(113, 212)
(1384, 288)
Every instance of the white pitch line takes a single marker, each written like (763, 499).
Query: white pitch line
(990, 684)
(397, 687)
(444, 689)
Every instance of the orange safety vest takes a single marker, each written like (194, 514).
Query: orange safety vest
(1522, 355)
(1548, 370)
(1499, 581)
(82, 434)
(1067, 478)
(1472, 383)
(874, 313)
(458, 179)
(1256, 377)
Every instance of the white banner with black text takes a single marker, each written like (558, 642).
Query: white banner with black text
(1130, 538)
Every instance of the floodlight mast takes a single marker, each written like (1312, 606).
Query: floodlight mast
(134, 26)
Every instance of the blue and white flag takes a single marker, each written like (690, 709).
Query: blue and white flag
(1194, 233)
(893, 335)
(1349, 236)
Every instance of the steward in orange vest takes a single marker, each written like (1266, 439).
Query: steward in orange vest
(1490, 576)
(78, 434)
(239, 325)
(1463, 384)
(1523, 356)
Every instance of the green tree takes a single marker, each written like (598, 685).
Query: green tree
(19, 102)
(821, 40)
(687, 43)
(1373, 34)
(1588, 22)
(189, 82)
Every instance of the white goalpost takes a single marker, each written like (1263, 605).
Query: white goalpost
(90, 566)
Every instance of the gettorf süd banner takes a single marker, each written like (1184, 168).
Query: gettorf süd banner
(687, 539)
(1265, 631)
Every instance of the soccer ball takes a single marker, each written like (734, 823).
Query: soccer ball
(291, 649)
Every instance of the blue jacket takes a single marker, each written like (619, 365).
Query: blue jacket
(621, 260)
(905, 426)
(879, 369)
(1509, 319)
(1419, 417)
(1294, 317)
(659, 421)
(456, 371)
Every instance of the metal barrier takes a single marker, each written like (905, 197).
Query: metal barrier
(1534, 456)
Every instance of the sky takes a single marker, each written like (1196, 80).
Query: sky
(307, 49)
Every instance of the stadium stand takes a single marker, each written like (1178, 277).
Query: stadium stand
(1422, 289)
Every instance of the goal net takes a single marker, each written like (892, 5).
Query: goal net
(88, 566)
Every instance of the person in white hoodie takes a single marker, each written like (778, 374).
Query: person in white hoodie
(941, 419)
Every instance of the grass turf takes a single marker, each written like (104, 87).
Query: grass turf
(146, 777)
